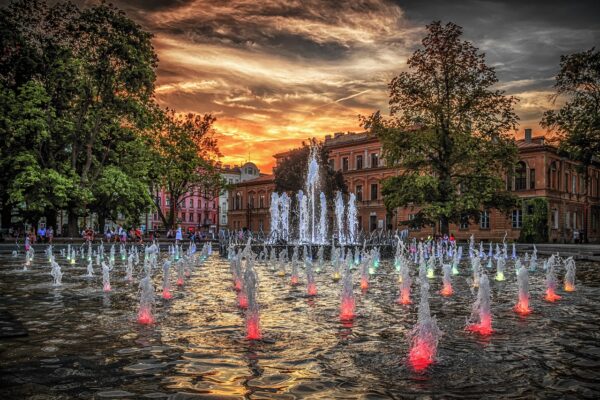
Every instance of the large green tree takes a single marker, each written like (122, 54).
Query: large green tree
(96, 69)
(577, 122)
(184, 151)
(448, 132)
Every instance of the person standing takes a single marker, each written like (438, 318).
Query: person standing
(178, 235)
(49, 234)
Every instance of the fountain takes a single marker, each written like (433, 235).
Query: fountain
(166, 288)
(481, 316)
(570, 275)
(522, 306)
(347, 304)
(106, 277)
(275, 218)
(180, 272)
(311, 286)
(252, 309)
(294, 279)
(405, 284)
(352, 222)
(424, 337)
(129, 269)
(551, 282)
(145, 315)
(447, 280)
(56, 273)
(500, 265)
(90, 270)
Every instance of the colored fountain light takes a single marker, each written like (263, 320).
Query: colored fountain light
(522, 306)
(252, 308)
(424, 337)
(166, 289)
(500, 264)
(347, 305)
(145, 316)
(405, 284)
(106, 278)
(551, 281)
(447, 280)
(569, 275)
(311, 286)
(481, 314)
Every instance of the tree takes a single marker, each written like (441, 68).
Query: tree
(448, 132)
(290, 171)
(96, 67)
(577, 122)
(184, 150)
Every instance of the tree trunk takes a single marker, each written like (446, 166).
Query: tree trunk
(444, 225)
(6, 215)
(51, 218)
(72, 228)
(101, 223)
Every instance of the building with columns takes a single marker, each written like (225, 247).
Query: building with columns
(574, 204)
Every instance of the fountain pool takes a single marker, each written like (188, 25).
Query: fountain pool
(86, 343)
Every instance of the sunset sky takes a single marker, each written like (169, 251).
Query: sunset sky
(276, 72)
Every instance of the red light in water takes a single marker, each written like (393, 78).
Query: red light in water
(484, 327)
(107, 287)
(242, 300)
(446, 290)
(347, 309)
(166, 294)
(237, 285)
(253, 328)
(312, 289)
(522, 306)
(180, 282)
(294, 280)
(551, 295)
(421, 355)
(404, 297)
(569, 287)
(364, 283)
(145, 317)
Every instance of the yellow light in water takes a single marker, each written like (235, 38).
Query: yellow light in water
(336, 276)
(500, 276)
(430, 273)
(399, 278)
(72, 261)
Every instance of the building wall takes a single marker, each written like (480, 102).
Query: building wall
(250, 202)
(193, 213)
(542, 173)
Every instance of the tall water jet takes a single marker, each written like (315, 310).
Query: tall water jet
(447, 280)
(424, 337)
(129, 269)
(322, 232)
(106, 277)
(303, 221)
(294, 280)
(180, 272)
(551, 282)
(522, 306)
(145, 314)
(90, 270)
(364, 274)
(320, 258)
(481, 317)
(312, 186)
(476, 267)
(339, 217)
(348, 304)
(166, 287)
(284, 215)
(352, 220)
(275, 218)
(252, 310)
(570, 275)
(56, 273)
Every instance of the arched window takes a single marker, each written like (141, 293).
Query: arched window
(553, 176)
(521, 176)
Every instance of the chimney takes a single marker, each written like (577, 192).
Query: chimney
(528, 135)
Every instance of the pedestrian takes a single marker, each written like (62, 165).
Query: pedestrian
(575, 236)
(49, 234)
(178, 234)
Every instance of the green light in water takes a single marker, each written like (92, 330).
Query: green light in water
(430, 273)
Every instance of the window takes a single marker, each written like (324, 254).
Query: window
(464, 222)
(359, 193)
(517, 219)
(359, 162)
(199, 216)
(182, 216)
(191, 217)
(345, 164)
(575, 220)
(374, 160)
(237, 205)
(191, 203)
(521, 176)
(553, 176)
(332, 164)
(532, 178)
(261, 201)
(484, 220)
(554, 219)
(574, 184)
(251, 201)
(582, 184)
(182, 204)
(373, 191)
(567, 220)
(595, 221)
(168, 201)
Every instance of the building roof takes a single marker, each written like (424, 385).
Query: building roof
(263, 178)
(349, 138)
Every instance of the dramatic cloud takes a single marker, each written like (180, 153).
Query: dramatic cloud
(276, 72)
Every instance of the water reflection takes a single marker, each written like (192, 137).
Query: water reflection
(197, 344)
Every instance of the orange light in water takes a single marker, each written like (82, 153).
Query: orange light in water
(421, 355)
(364, 284)
(312, 289)
(551, 296)
(294, 280)
(522, 306)
(237, 285)
(569, 287)
(404, 298)
(347, 309)
(484, 327)
(242, 300)
(145, 317)
(446, 290)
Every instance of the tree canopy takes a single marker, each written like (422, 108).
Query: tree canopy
(448, 132)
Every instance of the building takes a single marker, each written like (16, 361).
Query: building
(197, 211)
(573, 204)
